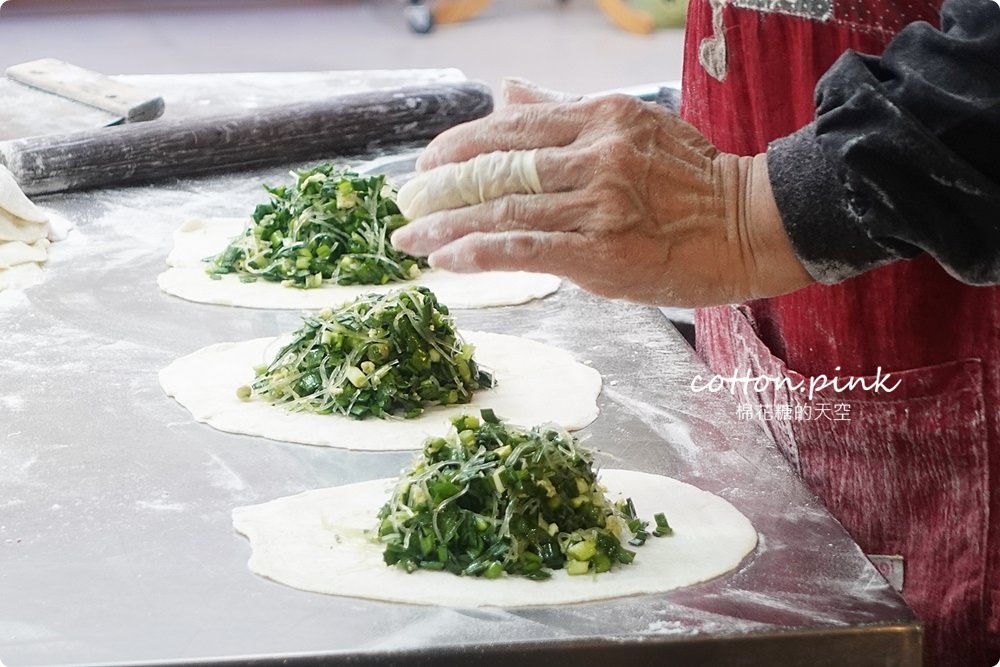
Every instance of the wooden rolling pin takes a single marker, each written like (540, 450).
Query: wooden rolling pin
(179, 147)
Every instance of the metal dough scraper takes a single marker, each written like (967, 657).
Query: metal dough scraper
(50, 96)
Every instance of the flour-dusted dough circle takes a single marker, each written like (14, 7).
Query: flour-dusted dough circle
(13, 253)
(201, 238)
(536, 383)
(25, 234)
(13, 228)
(317, 541)
(14, 201)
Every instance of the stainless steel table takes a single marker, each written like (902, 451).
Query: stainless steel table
(116, 545)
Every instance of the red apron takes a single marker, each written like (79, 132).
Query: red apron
(906, 472)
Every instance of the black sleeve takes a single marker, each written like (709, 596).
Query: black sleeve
(904, 154)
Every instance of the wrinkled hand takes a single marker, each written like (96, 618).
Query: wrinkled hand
(637, 205)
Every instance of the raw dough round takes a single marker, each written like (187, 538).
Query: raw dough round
(13, 228)
(25, 233)
(317, 541)
(201, 238)
(535, 383)
(14, 201)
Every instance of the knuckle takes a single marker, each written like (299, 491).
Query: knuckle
(508, 212)
(617, 110)
(479, 253)
(614, 150)
(523, 245)
(489, 252)
(617, 208)
(520, 119)
(620, 103)
(429, 158)
(618, 152)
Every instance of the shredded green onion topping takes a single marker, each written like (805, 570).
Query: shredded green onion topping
(331, 225)
(490, 498)
(380, 355)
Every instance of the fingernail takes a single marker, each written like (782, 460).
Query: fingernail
(513, 89)
(442, 259)
(425, 159)
(406, 195)
(400, 239)
(515, 82)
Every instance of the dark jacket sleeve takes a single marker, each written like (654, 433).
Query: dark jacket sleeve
(904, 154)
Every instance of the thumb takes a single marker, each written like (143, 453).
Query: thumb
(522, 91)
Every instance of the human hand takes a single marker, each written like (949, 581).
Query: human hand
(637, 203)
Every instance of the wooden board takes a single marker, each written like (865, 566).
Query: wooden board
(50, 96)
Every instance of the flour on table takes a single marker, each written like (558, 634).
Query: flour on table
(535, 383)
(20, 276)
(199, 239)
(319, 541)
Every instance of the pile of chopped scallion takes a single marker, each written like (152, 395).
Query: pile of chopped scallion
(331, 225)
(380, 355)
(491, 498)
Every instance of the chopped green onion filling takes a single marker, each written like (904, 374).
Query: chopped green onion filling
(490, 498)
(331, 225)
(662, 527)
(380, 355)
